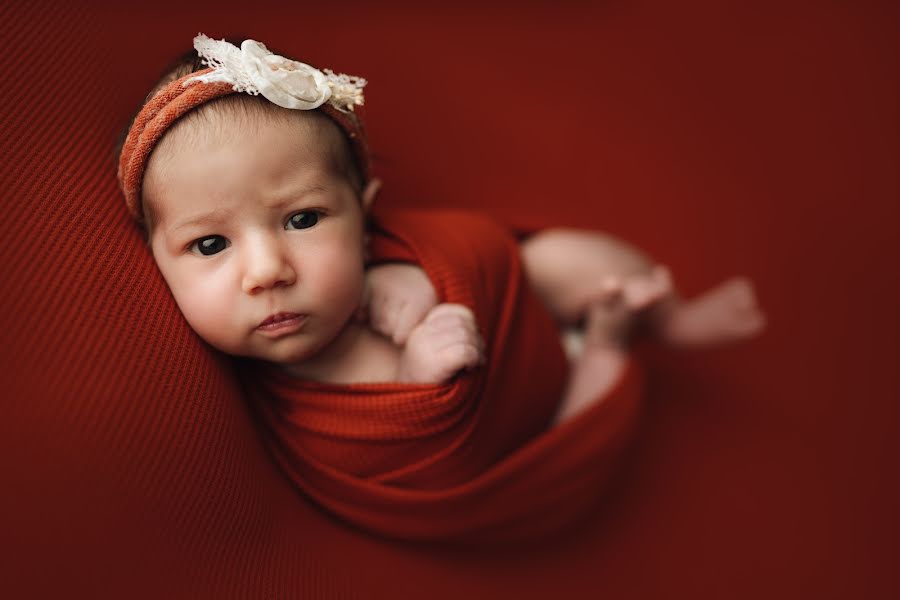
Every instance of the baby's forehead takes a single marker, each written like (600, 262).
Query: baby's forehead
(235, 119)
(288, 140)
(240, 117)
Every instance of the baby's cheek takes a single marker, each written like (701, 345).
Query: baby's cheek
(208, 311)
(342, 284)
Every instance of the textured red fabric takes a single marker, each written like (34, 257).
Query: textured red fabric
(757, 138)
(469, 461)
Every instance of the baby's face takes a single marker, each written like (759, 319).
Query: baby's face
(255, 224)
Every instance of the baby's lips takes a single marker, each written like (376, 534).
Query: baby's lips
(278, 317)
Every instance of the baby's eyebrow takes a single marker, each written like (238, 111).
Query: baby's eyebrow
(215, 217)
(219, 216)
(293, 194)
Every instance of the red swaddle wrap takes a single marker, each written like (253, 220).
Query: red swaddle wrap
(469, 460)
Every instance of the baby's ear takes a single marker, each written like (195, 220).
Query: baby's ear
(369, 193)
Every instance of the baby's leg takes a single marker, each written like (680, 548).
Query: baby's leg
(600, 357)
(568, 269)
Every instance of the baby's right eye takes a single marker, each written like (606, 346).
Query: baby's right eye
(209, 245)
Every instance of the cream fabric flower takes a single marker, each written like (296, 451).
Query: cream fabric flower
(283, 81)
(253, 69)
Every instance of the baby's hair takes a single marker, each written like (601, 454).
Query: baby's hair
(238, 104)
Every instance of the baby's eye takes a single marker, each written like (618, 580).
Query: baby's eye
(210, 245)
(302, 220)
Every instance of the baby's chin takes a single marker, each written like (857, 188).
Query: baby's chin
(286, 352)
(285, 356)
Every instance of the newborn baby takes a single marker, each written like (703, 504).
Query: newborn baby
(252, 184)
(256, 216)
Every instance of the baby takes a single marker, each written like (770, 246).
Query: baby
(255, 206)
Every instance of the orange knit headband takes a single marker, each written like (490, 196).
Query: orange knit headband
(176, 99)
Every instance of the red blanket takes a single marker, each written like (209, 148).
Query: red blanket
(469, 460)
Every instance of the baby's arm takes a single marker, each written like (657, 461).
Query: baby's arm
(396, 299)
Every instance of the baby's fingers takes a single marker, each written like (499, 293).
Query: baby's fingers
(447, 309)
(463, 355)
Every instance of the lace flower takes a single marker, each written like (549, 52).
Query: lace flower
(253, 69)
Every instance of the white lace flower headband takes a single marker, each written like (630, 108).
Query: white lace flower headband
(255, 70)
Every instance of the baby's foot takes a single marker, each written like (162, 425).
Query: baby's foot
(727, 312)
(608, 318)
(644, 290)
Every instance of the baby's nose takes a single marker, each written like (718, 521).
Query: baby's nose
(266, 266)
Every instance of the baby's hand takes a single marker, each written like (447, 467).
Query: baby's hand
(445, 342)
(397, 298)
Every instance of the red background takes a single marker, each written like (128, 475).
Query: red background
(724, 138)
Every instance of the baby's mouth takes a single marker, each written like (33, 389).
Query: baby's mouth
(281, 320)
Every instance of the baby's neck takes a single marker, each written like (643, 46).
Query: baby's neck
(356, 355)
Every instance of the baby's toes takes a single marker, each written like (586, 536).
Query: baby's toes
(749, 324)
(662, 278)
(643, 290)
(741, 296)
(609, 294)
(611, 287)
(741, 307)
